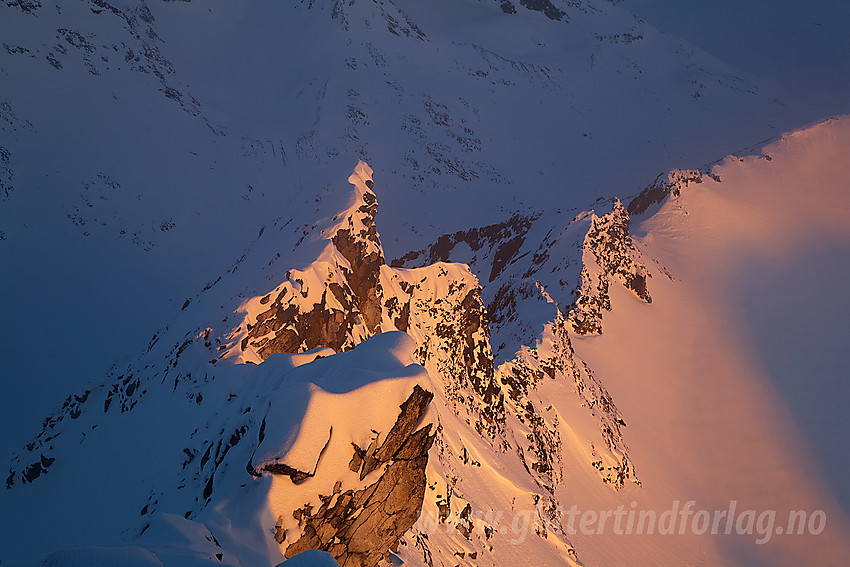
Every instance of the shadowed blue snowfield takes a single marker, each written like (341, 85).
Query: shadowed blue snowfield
(799, 317)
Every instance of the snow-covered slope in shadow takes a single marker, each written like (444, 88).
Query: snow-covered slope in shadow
(805, 356)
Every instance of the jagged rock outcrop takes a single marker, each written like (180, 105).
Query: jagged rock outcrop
(361, 246)
(554, 358)
(333, 303)
(444, 313)
(341, 299)
(440, 306)
(350, 294)
(534, 267)
(358, 527)
(608, 253)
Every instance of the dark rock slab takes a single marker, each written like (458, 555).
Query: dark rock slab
(359, 527)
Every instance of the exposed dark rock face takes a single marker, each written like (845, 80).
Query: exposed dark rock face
(545, 6)
(505, 238)
(364, 253)
(358, 527)
(579, 262)
(411, 412)
(440, 306)
(506, 257)
(346, 309)
(611, 246)
(508, 7)
(292, 330)
(280, 468)
(549, 10)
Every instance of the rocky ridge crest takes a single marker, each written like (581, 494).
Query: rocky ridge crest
(345, 296)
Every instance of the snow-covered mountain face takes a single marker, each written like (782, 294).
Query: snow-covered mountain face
(182, 166)
(483, 415)
(781, 40)
(131, 128)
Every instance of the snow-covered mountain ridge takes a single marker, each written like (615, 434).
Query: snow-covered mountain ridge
(182, 165)
(439, 306)
(534, 425)
(544, 421)
(149, 134)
